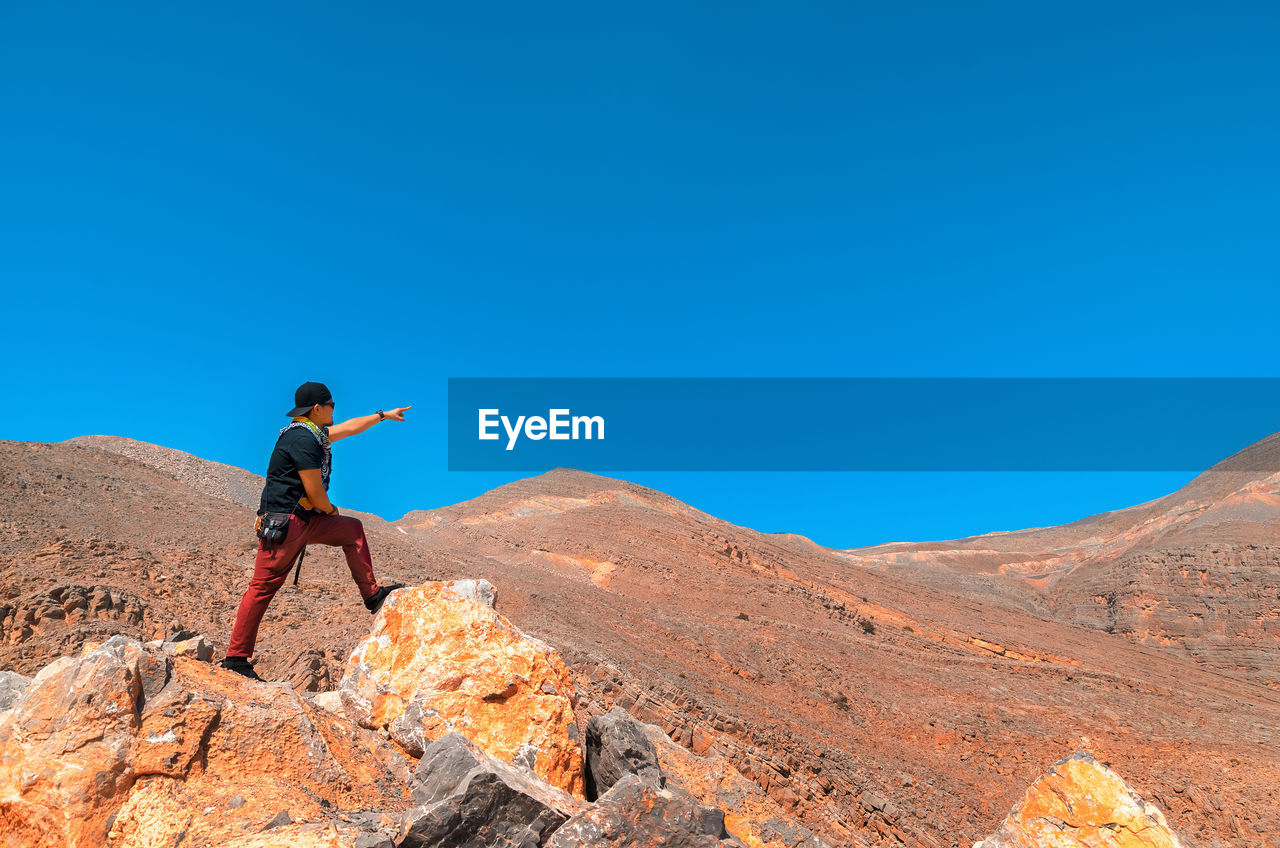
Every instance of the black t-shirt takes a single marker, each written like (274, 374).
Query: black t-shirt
(296, 450)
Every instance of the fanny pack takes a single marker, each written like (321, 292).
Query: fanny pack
(272, 527)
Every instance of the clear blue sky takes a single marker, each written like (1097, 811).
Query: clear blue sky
(203, 207)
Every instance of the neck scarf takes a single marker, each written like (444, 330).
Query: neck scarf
(321, 436)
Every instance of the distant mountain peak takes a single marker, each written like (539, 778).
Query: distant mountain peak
(551, 492)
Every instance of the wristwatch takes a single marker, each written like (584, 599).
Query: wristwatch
(382, 416)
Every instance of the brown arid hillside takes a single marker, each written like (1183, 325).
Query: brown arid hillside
(1197, 571)
(901, 695)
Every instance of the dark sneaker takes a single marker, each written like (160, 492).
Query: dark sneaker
(240, 665)
(373, 603)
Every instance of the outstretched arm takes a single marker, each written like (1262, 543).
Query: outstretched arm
(358, 425)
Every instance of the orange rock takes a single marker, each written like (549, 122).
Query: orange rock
(65, 746)
(436, 662)
(130, 745)
(27, 825)
(1080, 803)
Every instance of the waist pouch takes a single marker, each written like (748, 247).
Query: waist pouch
(272, 527)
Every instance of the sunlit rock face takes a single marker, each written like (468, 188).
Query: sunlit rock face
(436, 661)
(130, 746)
(1080, 803)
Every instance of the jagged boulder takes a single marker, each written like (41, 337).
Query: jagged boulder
(129, 744)
(66, 746)
(464, 797)
(436, 661)
(1080, 803)
(634, 812)
(617, 746)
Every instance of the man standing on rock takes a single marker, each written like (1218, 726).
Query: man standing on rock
(295, 499)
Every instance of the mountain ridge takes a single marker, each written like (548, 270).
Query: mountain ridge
(869, 702)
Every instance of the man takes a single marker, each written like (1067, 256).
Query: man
(297, 488)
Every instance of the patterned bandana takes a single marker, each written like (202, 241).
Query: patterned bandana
(321, 436)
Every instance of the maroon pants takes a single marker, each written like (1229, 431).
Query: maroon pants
(271, 569)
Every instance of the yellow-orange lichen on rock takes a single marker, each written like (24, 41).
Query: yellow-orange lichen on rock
(1080, 803)
(436, 662)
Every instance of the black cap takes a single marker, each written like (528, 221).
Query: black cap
(307, 396)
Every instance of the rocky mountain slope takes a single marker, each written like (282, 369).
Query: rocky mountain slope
(879, 697)
(1197, 570)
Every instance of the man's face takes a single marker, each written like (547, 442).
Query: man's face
(322, 413)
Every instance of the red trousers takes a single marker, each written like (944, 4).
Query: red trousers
(271, 569)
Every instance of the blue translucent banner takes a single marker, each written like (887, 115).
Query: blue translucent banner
(859, 424)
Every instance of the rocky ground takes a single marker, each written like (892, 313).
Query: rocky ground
(138, 745)
(904, 695)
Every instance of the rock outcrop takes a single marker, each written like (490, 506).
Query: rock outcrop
(129, 744)
(636, 813)
(463, 796)
(68, 743)
(617, 746)
(1080, 803)
(138, 745)
(50, 614)
(750, 815)
(436, 661)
